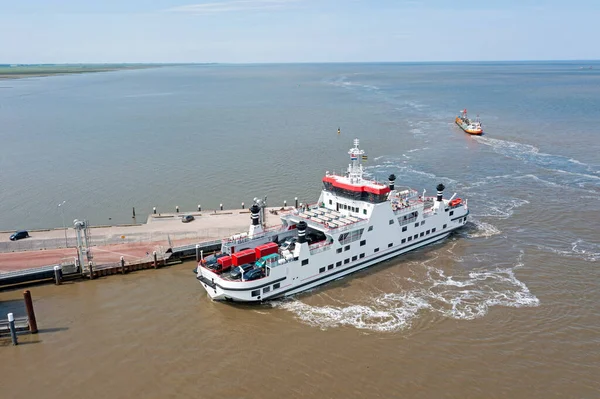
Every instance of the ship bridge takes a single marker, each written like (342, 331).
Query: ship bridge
(353, 185)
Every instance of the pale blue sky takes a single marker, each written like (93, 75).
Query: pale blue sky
(58, 31)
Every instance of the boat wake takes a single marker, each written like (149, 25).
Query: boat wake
(567, 171)
(464, 296)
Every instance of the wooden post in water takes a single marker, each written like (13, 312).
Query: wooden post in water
(30, 313)
(242, 205)
(154, 210)
(57, 275)
(296, 199)
(122, 265)
(155, 259)
(199, 207)
(197, 253)
(284, 204)
(221, 205)
(91, 266)
(11, 327)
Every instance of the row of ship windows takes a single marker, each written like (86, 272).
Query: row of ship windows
(265, 289)
(404, 240)
(349, 208)
(339, 263)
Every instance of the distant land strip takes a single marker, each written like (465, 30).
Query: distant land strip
(19, 71)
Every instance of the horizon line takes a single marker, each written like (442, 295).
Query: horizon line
(9, 64)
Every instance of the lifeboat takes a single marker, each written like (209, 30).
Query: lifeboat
(455, 202)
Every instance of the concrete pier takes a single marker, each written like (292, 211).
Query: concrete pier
(133, 242)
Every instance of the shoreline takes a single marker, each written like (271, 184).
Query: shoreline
(35, 71)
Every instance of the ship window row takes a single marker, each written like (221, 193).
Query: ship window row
(256, 293)
(406, 219)
(346, 238)
(355, 195)
(348, 208)
(422, 234)
(304, 262)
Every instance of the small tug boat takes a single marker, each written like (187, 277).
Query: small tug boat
(468, 125)
(357, 223)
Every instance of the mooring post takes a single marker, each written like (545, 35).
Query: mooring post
(91, 267)
(177, 209)
(154, 210)
(242, 205)
(221, 205)
(11, 327)
(133, 217)
(284, 203)
(199, 208)
(197, 253)
(122, 265)
(296, 199)
(30, 313)
(155, 259)
(201, 254)
(57, 275)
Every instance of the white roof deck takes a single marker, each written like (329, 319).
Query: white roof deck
(323, 218)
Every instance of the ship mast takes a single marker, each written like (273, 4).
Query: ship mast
(355, 169)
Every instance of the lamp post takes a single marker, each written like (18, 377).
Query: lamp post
(62, 211)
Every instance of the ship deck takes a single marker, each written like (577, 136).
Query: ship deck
(323, 218)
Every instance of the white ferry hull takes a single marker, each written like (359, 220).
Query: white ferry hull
(219, 293)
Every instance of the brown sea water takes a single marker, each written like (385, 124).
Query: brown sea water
(507, 307)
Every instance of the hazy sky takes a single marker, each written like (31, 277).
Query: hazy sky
(55, 31)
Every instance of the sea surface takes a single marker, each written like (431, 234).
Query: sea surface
(509, 307)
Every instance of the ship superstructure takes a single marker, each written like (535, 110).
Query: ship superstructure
(355, 224)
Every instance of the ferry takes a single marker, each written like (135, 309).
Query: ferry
(356, 223)
(468, 125)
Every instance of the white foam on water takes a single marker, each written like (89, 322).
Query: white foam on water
(462, 297)
(580, 249)
(482, 229)
(418, 149)
(343, 81)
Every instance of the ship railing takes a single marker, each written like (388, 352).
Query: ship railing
(320, 247)
(266, 232)
(411, 207)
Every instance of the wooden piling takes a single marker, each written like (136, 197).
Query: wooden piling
(296, 199)
(155, 260)
(122, 265)
(11, 327)
(30, 312)
(197, 253)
